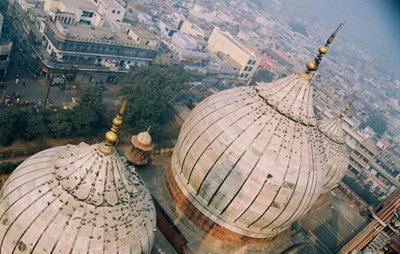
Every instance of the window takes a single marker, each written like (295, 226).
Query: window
(118, 12)
(246, 75)
(113, 11)
(250, 68)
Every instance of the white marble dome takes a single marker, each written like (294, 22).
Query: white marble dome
(75, 199)
(337, 158)
(250, 158)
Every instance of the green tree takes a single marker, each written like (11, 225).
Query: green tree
(35, 125)
(59, 123)
(91, 98)
(377, 122)
(149, 91)
(87, 114)
(8, 125)
(263, 75)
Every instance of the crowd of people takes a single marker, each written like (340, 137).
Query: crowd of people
(15, 98)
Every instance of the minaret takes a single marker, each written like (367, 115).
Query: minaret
(141, 148)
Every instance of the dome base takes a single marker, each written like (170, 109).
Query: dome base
(200, 220)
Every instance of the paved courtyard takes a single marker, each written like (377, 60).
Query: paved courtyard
(331, 221)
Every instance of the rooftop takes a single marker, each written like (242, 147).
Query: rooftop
(84, 5)
(143, 33)
(104, 35)
(234, 41)
(111, 4)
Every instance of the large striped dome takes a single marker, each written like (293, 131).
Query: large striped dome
(75, 199)
(250, 158)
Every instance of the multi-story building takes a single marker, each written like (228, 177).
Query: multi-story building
(95, 12)
(378, 233)
(5, 50)
(109, 47)
(187, 48)
(242, 59)
(83, 35)
(366, 166)
(189, 28)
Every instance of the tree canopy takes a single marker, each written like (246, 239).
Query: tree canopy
(25, 124)
(149, 91)
(8, 123)
(263, 75)
(377, 122)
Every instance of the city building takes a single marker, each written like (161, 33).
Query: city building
(366, 165)
(378, 235)
(366, 160)
(336, 150)
(167, 29)
(5, 51)
(143, 37)
(188, 49)
(83, 36)
(239, 57)
(95, 12)
(103, 46)
(192, 29)
(75, 199)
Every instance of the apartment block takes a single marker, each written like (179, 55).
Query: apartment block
(239, 57)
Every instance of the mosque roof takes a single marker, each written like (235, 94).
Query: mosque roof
(251, 158)
(337, 157)
(76, 199)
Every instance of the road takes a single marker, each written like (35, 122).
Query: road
(35, 89)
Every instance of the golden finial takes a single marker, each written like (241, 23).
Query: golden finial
(312, 65)
(148, 129)
(111, 136)
(346, 109)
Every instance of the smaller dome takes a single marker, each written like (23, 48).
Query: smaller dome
(143, 141)
(337, 159)
(76, 199)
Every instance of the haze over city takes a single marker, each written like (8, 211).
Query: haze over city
(199, 127)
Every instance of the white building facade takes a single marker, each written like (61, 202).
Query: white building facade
(244, 60)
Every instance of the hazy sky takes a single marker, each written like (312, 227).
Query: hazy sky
(372, 24)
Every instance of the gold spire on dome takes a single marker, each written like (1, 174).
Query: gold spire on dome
(111, 136)
(312, 65)
(346, 109)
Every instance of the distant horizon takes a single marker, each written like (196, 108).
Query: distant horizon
(371, 25)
